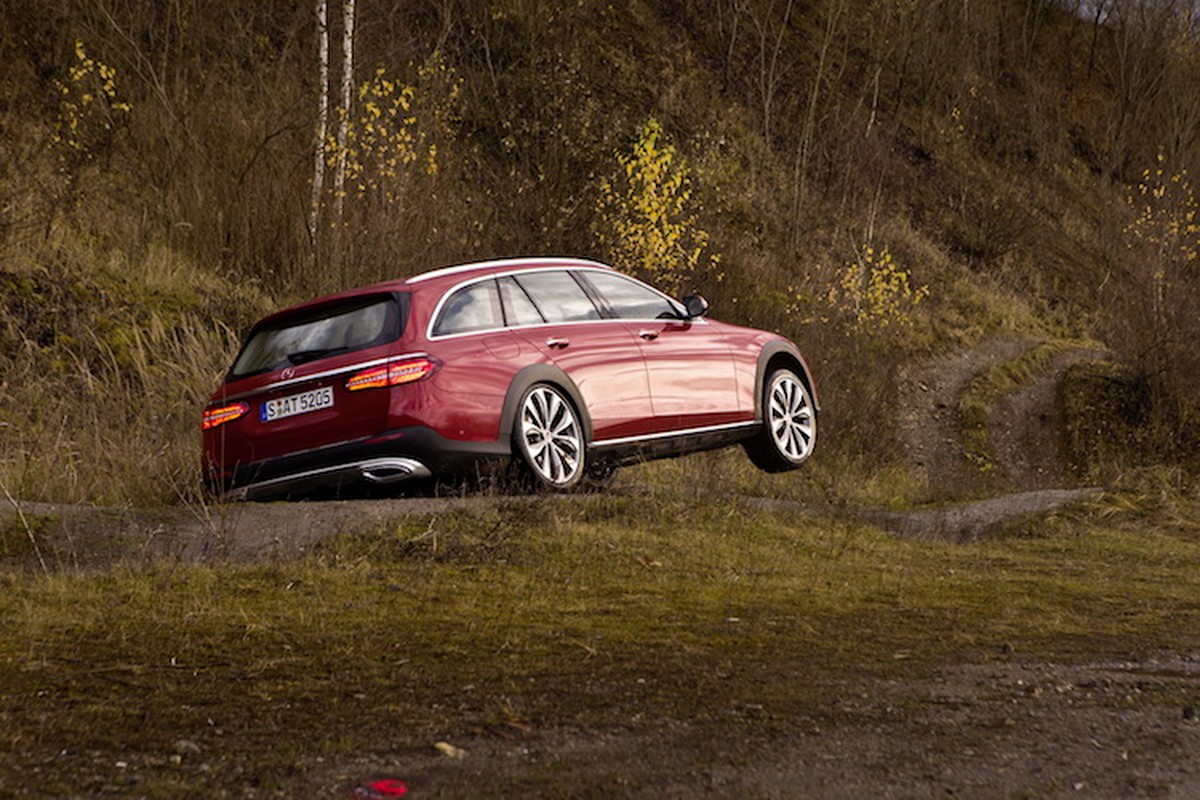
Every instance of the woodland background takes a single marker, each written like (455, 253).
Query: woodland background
(879, 179)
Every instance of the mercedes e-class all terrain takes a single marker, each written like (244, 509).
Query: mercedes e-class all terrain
(562, 367)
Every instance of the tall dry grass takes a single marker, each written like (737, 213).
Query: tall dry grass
(108, 361)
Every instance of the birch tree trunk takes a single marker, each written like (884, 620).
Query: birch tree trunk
(339, 177)
(318, 182)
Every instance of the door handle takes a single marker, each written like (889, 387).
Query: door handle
(557, 343)
(648, 335)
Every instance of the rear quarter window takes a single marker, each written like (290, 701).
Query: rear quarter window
(471, 308)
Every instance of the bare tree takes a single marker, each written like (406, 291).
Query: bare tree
(769, 30)
(804, 147)
(339, 176)
(1137, 67)
(318, 182)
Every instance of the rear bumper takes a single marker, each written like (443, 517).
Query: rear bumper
(378, 470)
(392, 457)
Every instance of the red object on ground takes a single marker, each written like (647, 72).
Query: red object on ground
(381, 789)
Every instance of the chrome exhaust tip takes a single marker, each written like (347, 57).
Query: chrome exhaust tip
(393, 470)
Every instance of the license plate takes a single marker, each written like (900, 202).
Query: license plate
(302, 403)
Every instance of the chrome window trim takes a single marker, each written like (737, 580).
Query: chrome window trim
(316, 376)
(515, 263)
(673, 434)
(437, 311)
(429, 335)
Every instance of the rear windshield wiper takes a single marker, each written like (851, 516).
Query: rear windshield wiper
(304, 356)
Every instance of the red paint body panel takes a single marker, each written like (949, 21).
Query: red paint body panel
(353, 415)
(466, 394)
(605, 363)
(636, 380)
(692, 379)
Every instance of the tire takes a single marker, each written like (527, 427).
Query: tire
(789, 430)
(549, 439)
(598, 477)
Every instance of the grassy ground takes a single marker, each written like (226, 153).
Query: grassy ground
(597, 613)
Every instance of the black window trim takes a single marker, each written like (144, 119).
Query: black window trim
(522, 290)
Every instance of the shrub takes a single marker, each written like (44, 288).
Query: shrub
(647, 216)
(874, 293)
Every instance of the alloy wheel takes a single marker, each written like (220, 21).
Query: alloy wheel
(790, 417)
(550, 437)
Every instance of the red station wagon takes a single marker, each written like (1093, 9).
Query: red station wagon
(564, 366)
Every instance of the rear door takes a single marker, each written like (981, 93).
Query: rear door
(552, 312)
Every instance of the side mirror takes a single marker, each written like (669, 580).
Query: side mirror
(695, 306)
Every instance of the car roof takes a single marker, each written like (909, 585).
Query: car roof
(437, 280)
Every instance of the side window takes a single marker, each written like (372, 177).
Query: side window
(631, 300)
(558, 296)
(471, 308)
(518, 308)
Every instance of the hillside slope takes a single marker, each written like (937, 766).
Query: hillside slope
(880, 180)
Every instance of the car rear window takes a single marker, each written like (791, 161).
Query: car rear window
(322, 332)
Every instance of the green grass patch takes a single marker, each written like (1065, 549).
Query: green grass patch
(589, 612)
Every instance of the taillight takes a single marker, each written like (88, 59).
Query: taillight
(405, 370)
(219, 415)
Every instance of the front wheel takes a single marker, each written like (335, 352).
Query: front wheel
(549, 438)
(789, 430)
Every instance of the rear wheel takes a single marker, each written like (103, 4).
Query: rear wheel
(549, 438)
(789, 429)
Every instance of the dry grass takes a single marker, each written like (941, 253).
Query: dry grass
(110, 359)
(588, 613)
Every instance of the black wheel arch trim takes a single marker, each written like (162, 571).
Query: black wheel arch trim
(531, 376)
(782, 351)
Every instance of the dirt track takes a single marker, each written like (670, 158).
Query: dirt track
(1012, 728)
(1023, 432)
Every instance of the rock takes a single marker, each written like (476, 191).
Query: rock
(450, 751)
(186, 747)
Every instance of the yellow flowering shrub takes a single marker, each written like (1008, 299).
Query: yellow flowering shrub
(89, 106)
(1164, 243)
(647, 223)
(397, 129)
(1167, 215)
(875, 292)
